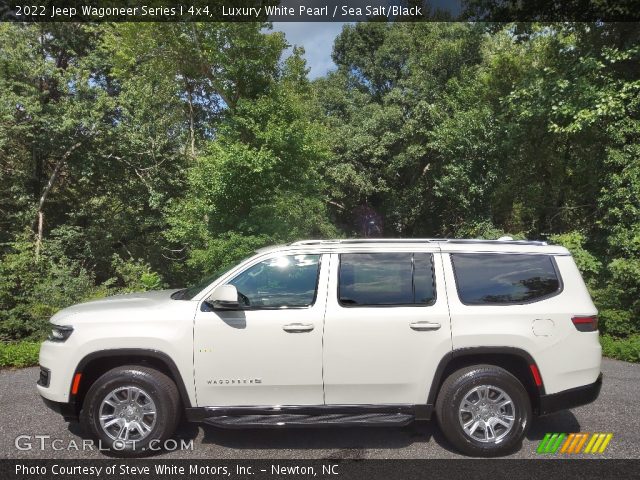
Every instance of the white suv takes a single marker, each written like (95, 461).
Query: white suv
(485, 334)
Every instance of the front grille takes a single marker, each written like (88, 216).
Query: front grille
(45, 377)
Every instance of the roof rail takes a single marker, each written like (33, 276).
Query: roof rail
(508, 240)
(365, 240)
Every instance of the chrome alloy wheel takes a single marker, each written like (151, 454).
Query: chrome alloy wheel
(487, 414)
(127, 414)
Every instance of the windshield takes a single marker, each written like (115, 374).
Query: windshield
(190, 292)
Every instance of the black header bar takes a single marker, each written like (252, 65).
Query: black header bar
(327, 469)
(319, 10)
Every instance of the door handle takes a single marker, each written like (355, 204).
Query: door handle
(425, 326)
(298, 327)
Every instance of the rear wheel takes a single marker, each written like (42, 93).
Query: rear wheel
(483, 410)
(131, 409)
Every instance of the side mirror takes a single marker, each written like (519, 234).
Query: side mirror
(224, 297)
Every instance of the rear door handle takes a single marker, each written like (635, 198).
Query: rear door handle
(424, 326)
(298, 327)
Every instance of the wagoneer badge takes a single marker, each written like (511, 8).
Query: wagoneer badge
(235, 381)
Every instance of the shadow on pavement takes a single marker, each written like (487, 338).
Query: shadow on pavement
(323, 438)
(559, 422)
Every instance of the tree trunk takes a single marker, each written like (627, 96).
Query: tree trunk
(192, 132)
(39, 234)
(205, 69)
(45, 193)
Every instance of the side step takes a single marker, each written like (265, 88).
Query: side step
(300, 420)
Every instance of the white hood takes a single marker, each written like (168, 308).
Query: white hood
(145, 302)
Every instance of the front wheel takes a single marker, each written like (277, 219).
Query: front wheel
(131, 409)
(483, 411)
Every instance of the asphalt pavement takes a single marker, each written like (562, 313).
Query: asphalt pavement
(23, 416)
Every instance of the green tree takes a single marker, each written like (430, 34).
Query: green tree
(258, 182)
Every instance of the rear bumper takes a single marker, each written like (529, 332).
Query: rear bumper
(571, 398)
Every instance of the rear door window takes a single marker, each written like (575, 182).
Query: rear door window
(504, 279)
(386, 279)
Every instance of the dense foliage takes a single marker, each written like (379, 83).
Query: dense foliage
(138, 156)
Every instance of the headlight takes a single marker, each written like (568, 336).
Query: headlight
(59, 333)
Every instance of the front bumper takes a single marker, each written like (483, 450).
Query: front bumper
(571, 398)
(67, 410)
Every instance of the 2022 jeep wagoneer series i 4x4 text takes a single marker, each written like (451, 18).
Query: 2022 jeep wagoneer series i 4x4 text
(482, 334)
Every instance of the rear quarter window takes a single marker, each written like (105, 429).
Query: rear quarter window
(505, 279)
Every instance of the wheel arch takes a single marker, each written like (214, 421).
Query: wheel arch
(95, 364)
(514, 360)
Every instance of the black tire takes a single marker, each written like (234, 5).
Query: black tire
(159, 388)
(453, 391)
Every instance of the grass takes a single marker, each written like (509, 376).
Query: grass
(19, 354)
(25, 353)
(627, 349)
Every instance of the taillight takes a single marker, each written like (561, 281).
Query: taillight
(586, 323)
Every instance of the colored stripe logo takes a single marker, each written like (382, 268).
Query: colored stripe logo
(573, 443)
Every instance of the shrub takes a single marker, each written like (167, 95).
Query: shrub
(32, 290)
(20, 354)
(586, 262)
(135, 276)
(483, 229)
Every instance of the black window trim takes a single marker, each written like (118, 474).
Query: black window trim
(392, 305)
(284, 307)
(507, 304)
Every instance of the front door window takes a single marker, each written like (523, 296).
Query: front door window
(287, 281)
